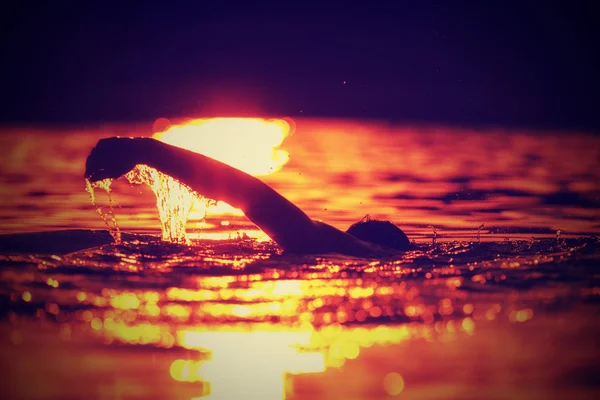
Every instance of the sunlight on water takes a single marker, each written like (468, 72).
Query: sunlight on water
(251, 333)
(254, 359)
(497, 299)
(247, 363)
(263, 325)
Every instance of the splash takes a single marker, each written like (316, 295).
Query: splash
(174, 201)
(108, 216)
(434, 237)
(479, 232)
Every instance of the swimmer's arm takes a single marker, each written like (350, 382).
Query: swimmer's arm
(283, 221)
(279, 218)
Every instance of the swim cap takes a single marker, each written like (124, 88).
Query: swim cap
(383, 233)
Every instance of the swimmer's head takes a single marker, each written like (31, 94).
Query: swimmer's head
(382, 233)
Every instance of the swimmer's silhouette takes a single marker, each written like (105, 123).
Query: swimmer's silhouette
(283, 221)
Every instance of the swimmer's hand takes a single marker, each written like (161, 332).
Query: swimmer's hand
(114, 157)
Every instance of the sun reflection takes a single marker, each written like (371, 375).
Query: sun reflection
(247, 363)
(235, 361)
(393, 383)
(248, 333)
(521, 315)
(256, 332)
(125, 301)
(468, 325)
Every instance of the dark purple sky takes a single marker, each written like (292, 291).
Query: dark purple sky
(523, 63)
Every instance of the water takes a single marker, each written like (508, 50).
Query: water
(503, 310)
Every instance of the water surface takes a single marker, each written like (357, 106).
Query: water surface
(492, 303)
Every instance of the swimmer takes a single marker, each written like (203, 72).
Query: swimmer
(279, 218)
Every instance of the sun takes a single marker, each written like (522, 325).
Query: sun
(248, 144)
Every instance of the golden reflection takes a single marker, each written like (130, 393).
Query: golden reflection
(521, 315)
(52, 282)
(246, 336)
(287, 322)
(242, 335)
(246, 363)
(254, 360)
(239, 351)
(468, 309)
(468, 325)
(96, 324)
(274, 290)
(228, 353)
(393, 383)
(125, 301)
